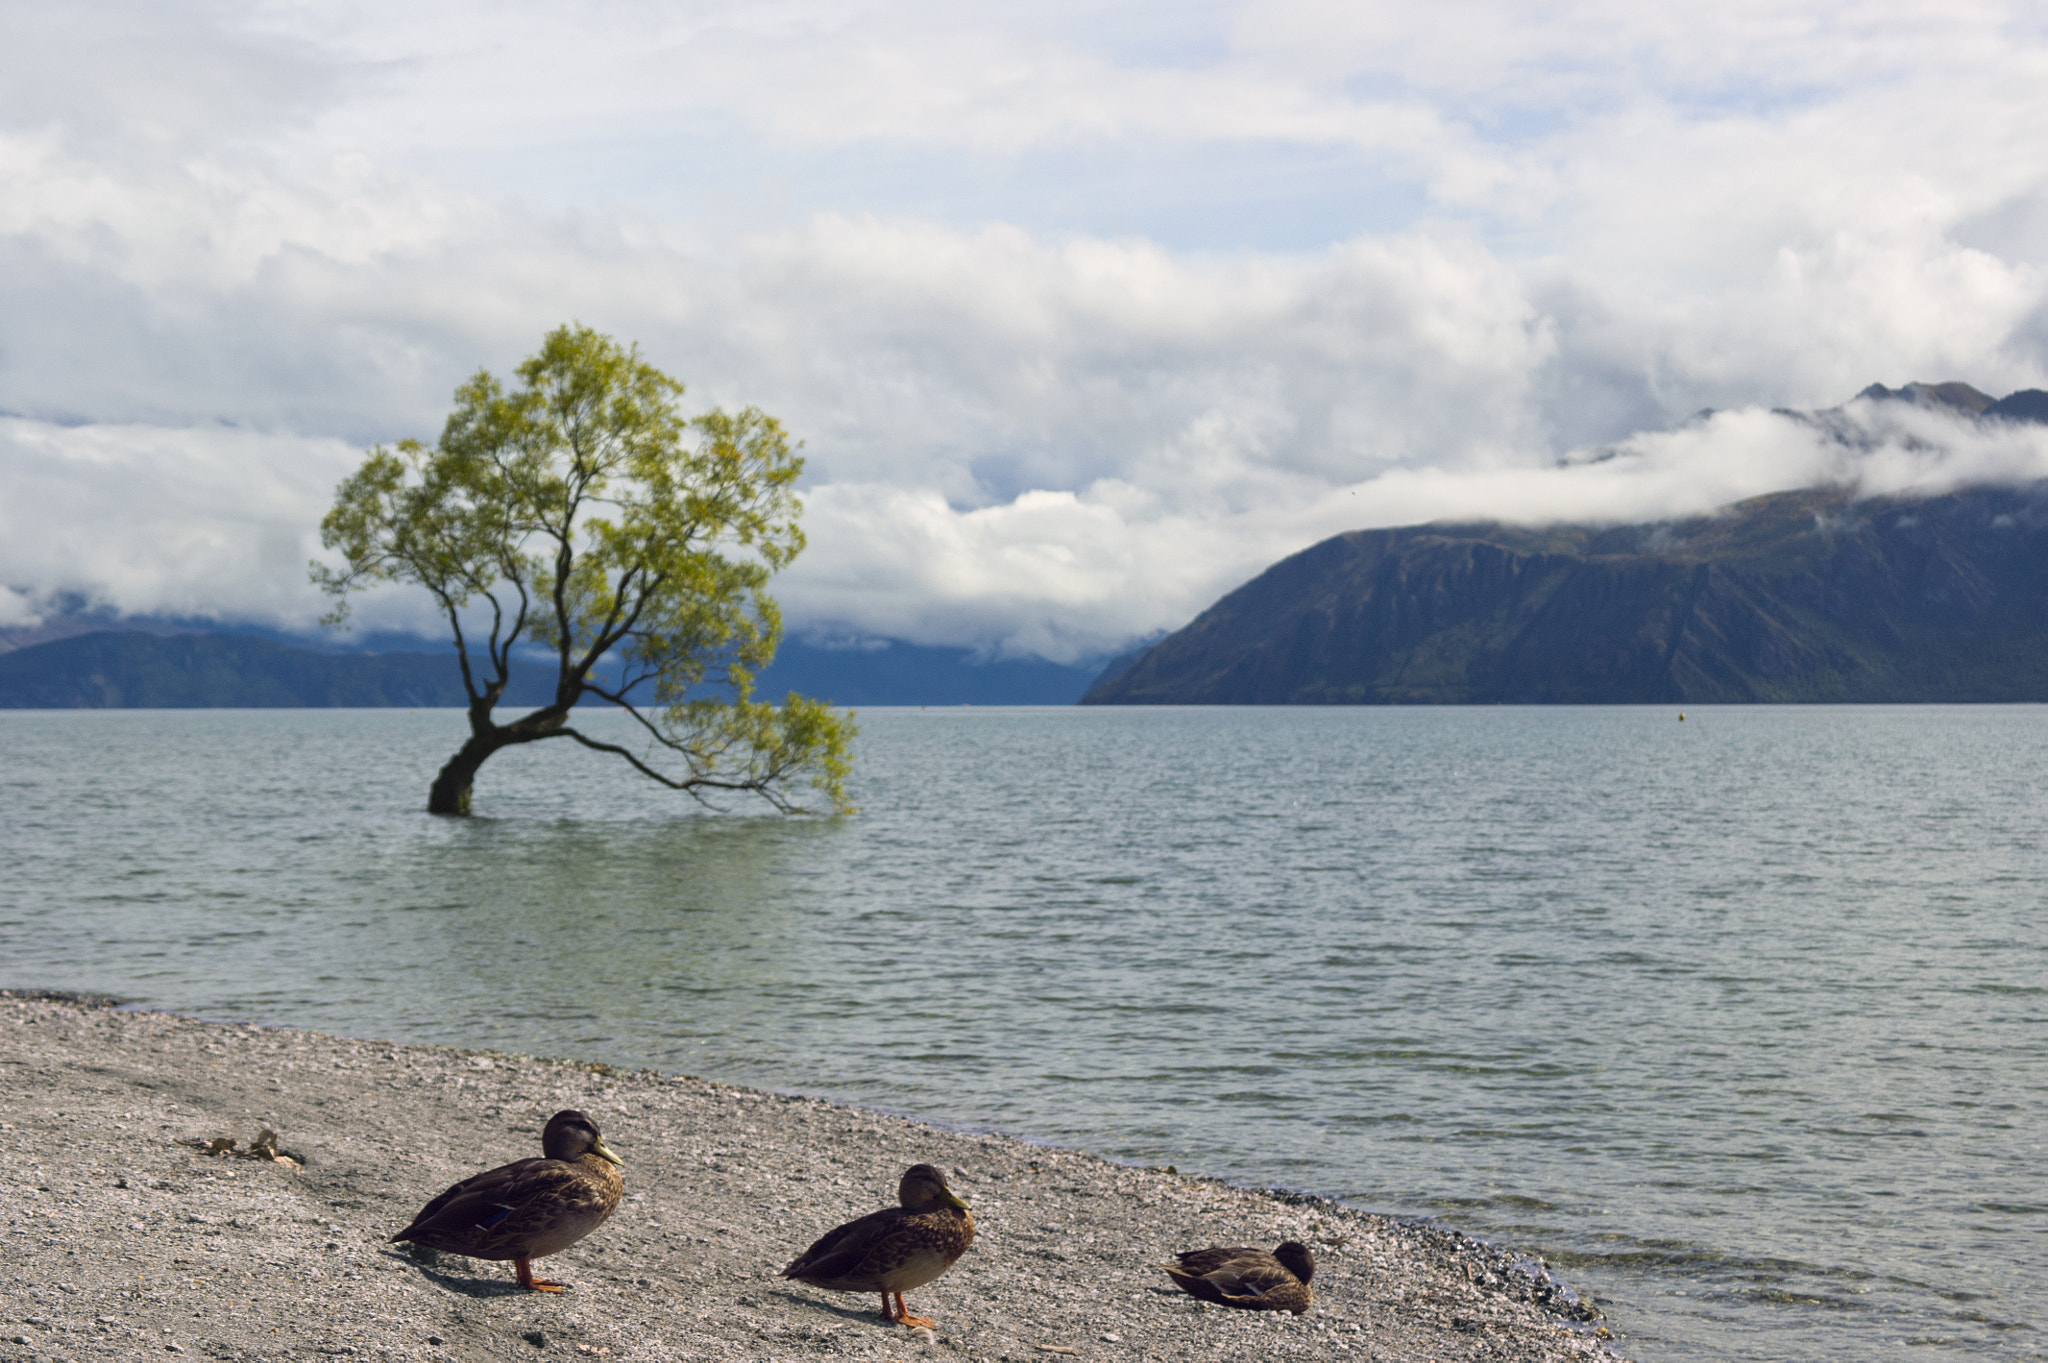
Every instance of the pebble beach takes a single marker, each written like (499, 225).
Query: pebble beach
(130, 1230)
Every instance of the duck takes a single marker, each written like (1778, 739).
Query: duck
(1248, 1279)
(530, 1208)
(893, 1250)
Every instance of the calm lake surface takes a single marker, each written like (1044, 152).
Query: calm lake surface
(1740, 1022)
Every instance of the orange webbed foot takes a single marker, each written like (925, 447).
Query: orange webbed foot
(524, 1268)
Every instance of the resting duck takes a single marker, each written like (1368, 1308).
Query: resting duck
(1248, 1279)
(528, 1209)
(895, 1249)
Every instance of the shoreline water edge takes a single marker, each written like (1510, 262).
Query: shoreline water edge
(125, 1237)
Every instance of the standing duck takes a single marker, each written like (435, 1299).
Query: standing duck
(1248, 1279)
(531, 1208)
(895, 1249)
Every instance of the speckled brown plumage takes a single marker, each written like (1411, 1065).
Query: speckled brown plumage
(531, 1208)
(1248, 1279)
(893, 1250)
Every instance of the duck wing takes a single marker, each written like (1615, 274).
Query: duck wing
(1203, 1261)
(848, 1255)
(493, 1215)
(1251, 1285)
(1237, 1275)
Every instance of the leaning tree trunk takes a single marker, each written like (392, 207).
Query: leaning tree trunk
(450, 792)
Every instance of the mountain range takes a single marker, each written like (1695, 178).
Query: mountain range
(191, 669)
(1811, 595)
(122, 669)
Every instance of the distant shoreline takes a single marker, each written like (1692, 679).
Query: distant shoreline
(135, 1235)
(138, 669)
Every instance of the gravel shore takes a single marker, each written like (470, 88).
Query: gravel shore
(123, 1238)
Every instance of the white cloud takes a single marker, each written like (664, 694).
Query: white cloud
(1113, 563)
(18, 608)
(1442, 247)
(204, 523)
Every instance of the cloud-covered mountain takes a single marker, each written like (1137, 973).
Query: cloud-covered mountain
(1084, 318)
(1814, 595)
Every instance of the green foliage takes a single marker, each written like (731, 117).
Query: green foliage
(583, 512)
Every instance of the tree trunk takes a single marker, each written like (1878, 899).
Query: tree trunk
(450, 792)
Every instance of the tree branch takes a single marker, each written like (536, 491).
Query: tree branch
(461, 645)
(643, 721)
(761, 785)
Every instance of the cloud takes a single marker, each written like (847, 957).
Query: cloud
(922, 75)
(18, 608)
(1083, 318)
(1069, 576)
(149, 520)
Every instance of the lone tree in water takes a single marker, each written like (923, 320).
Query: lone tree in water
(583, 512)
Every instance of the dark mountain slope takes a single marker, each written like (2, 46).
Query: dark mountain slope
(134, 669)
(203, 671)
(1798, 596)
(899, 673)
(2029, 404)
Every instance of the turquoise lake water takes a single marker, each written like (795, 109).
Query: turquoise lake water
(1741, 1023)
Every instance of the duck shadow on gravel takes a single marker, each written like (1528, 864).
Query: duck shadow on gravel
(868, 1315)
(462, 1284)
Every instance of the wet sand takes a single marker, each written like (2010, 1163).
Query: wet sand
(123, 1238)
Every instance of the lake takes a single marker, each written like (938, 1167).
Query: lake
(1740, 1022)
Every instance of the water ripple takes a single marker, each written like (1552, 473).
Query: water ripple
(1738, 1022)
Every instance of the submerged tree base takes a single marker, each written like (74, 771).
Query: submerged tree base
(450, 793)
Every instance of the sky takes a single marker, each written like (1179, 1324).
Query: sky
(1084, 314)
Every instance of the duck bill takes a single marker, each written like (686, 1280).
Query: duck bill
(603, 1151)
(952, 1199)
